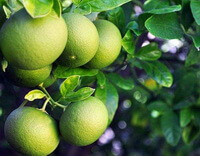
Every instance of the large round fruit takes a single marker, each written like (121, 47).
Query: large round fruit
(29, 43)
(83, 122)
(31, 131)
(109, 47)
(27, 78)
(83, 41)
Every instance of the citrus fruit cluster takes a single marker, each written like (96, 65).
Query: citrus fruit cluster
(31, 131)
(32, 45)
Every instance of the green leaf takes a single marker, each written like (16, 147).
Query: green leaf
(64, 72)
(195, 5)
(155, 4)
(101, 79)
(196, 40)
(149, 52)
(100, 6)
(14, 5)
(117, 17)
(186, 15)
(109, 96)
(193, 57)
(38, 8)
(69, 85)
(133, 26)
(183, 104)
(185, 87)
(170, 128)
(159, 106)
(164, 26)
(57, 7)
(160, 7)
(79, 95)
(7, 11)
(34, 94)
(128, 42)
(159, 72)
(165, 10)
(185, 117)
(123, 83)
(190, 133)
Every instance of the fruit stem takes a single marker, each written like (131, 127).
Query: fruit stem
(45, 104)
(23, 103)
(51, 101)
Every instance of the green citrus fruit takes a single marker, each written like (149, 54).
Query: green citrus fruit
(83, 122)
(31, 132)
(83, 41)
(27, 78)
(109, 47)
(29, 43)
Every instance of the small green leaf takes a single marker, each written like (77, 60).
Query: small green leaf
(128, 42)
(7, 11)
(159, 72)
(109, 96)
(170, 128)
(165, 10)
(149, 52)
(69, 85)
(79, 95)
(64, 72)
(133, 26)
(117, 17)
(34, 94)
(196, 40)
(190, 133)
(159, 106)
(100, 6)
(185, 117)
(57, 7)
(123, 83)
(193, 57)
(101, 79)
(164, 26)
(195, 5)
(38, 8)
(4, 65)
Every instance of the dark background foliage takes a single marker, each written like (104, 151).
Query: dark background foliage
(156, 77)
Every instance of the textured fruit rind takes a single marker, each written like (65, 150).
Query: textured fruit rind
(29, 43)
(109, 47)
(83, 41)
(31, 131)
(83, 122)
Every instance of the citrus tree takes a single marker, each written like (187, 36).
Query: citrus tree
(88, 64)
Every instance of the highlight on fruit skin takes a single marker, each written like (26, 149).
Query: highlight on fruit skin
(109, 47)
(83, 41)
(29, 43)
(84, 122)
(31, 132)
(27, 78)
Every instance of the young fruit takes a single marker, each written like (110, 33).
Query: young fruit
(83, 122)
(29, 43)
(83, 41)
(109, 47)
(27, 78)
(31, 132)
